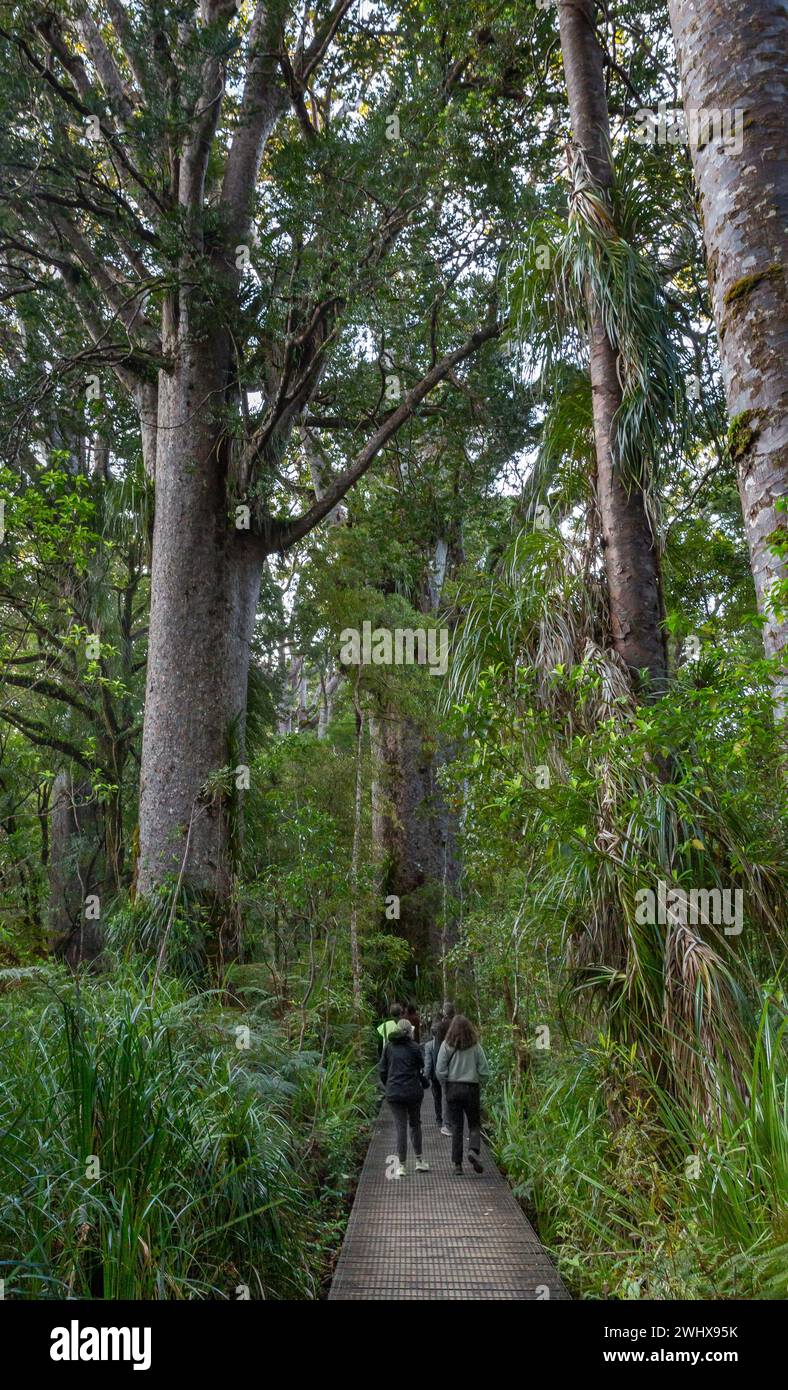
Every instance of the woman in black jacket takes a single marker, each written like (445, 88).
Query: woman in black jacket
(402, 1073)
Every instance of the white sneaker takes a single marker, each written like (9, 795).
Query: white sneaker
(400, 1171)
(445, 1130)
(422, 1166)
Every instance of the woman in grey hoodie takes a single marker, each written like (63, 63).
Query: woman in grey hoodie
(461, 1068)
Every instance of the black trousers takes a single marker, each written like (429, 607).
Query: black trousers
(437, 1097)
(462, 1101)
(407, 1112)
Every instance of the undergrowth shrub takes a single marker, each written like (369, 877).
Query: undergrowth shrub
(174, 1149)
(636, 1196)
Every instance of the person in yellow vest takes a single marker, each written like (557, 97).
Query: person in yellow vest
(389, 1025)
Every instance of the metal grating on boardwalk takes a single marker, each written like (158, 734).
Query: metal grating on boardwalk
(435, 1236)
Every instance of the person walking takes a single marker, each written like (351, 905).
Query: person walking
(439, 1030)
(388, 1026)
(402, 1074)
(411, 1013)
(461, 1068)
(431, 1048)
(447, 1014)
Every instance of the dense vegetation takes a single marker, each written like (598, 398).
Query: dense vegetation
(364, 320)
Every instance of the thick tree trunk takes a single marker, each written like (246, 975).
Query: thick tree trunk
(205, 582)
(732, 57)
(630, 551)
(413, 830)
(75, 871)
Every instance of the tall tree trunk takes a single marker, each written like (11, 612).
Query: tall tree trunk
(413, 830)
(75, 871)
(203, 604)
(732, 57)
(630, 551)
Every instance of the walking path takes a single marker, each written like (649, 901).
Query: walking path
(437, 1236)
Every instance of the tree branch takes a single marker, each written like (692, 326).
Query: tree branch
(105, 66)
(285, 533)
(263, 101)
(41, 736)
(41, 686)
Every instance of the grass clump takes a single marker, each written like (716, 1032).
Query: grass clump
(162, 1151)
(636, 1196)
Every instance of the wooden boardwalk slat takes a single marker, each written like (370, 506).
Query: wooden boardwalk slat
(436, 1236)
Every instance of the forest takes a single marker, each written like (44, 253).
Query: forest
(393, 608)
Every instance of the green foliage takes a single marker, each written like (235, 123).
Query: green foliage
(574, 799)
(636, 1196)
(598, 260)
(161, 1151)
(228, 1124)
(609, 798)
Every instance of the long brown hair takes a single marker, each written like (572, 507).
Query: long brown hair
(461, 1034)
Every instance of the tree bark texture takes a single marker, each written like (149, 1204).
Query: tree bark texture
(203, 605)
(629, 546)
(75, 870)
(413, 830)
(734, 57)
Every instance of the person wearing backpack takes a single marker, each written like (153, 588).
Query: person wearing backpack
(461, 1068)
(389, 1025)
(402, 1074)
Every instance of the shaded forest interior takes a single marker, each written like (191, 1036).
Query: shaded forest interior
(393, 606)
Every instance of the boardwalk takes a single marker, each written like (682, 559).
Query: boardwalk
(436, 1236)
